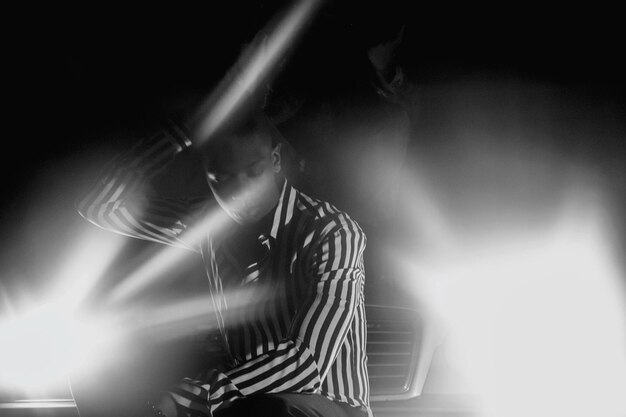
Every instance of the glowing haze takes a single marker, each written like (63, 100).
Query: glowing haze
(531, 310)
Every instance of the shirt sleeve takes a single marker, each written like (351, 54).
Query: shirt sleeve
(299, 363)
(119, 200)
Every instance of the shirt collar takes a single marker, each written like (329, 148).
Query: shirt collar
(284, 209)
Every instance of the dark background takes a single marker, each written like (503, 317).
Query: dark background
(72, 71)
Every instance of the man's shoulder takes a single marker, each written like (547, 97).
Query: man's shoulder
(321, 214)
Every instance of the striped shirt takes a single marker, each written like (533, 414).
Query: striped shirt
(292, 321)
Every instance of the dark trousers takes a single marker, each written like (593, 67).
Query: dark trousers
(289, 405)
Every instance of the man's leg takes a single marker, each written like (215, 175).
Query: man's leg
(288, 405)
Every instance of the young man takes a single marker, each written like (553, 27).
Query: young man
(285, 273)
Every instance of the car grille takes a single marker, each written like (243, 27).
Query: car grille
(394, 339)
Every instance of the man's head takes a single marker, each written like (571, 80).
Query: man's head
(242, 165)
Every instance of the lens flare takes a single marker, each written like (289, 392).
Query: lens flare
(41, 347)
(41, 343)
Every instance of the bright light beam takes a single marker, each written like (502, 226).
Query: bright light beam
(175, 319)
(161, 267)
(84, 267)
(257, 64)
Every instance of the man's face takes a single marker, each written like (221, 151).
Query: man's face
(241, 172)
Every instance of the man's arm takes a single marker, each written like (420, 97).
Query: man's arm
(118, 201)
(301, 362)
